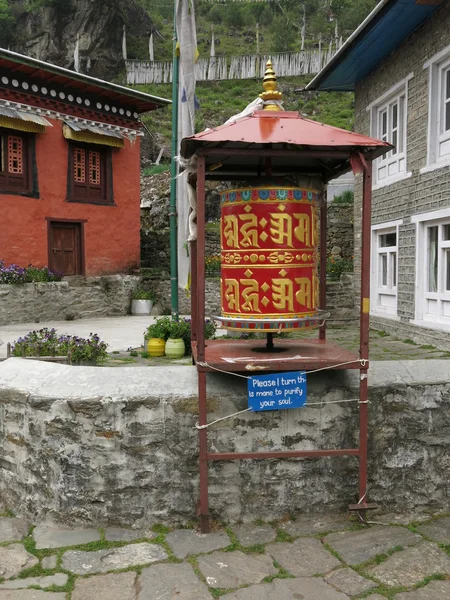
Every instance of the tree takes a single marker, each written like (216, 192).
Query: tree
(6, 24)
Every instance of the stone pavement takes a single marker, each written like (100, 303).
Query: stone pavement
(327, 557)
(122, 333)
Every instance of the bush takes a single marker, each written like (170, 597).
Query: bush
(47, 342)
(13, 274)
(337, 266)
(165, 328)
(212, 266)
(346, 197)
(142, 294)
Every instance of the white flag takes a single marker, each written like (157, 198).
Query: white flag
(150, 48)
(76, 55)
(187, 43)
(124, 43)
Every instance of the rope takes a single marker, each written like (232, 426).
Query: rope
(362, 362)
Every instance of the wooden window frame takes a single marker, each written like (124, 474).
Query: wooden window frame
(30, 187)
(107, 198)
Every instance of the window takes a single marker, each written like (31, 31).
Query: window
(438, 110)
(384, 269)
(89, 169)
(14, 161)
(388, 123)
(433, 268)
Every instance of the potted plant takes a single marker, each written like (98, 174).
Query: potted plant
(157, 334)
(175, 346)
(142, 301)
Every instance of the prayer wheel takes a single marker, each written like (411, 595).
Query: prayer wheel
(269, 258)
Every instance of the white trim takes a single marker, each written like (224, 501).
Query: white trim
(443, 213)
(437, 57)
(430, 325)
(388, 225)
(396, 179)
(435, 166)
(390, 92)
(439, 299)
(377, 290)
(380, 315)
(436, 66)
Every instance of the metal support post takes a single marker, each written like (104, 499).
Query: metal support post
(203, 510)
(364, 333)
(323, 265)
(173, 180)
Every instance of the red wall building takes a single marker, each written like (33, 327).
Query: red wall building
(69, 169)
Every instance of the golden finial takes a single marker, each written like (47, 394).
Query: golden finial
(270, 88)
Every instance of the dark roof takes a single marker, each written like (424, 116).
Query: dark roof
(387, 26)
(140, 101)
(321, 149)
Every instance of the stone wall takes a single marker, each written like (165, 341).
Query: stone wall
(418, 193)
(340, 230)
(73, 298)
(119, 446)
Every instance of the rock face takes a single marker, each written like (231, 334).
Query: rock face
(49, 32)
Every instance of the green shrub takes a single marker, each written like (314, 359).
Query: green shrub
(143, 294)
(346, 197)
(47, 342)
(337, 266)
(165, 328)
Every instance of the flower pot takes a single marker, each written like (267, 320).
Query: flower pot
(175, 348)
(156, 346)
(141, 307)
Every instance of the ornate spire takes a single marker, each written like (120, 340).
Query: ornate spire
(270, 88)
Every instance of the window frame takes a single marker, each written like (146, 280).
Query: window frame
(440, 297)
(438, 66)
(397, 95)
(28, 159)
(390, 289)
(106, 198)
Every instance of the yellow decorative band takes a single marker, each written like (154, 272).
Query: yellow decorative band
(19, 125)
(92, 138)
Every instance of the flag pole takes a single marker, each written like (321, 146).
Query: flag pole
(173, 176)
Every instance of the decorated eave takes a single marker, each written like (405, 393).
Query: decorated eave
(33, 86)
(293, 144)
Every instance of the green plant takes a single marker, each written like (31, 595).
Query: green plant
(143, 294)
(47, 342)
(346, 197)
(165, 328)
(337, 266)
(212, 265)
(154, 170)
(159, 329)
(133, 353)
(144, 354)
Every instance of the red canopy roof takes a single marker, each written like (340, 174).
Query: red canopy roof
(325, 149)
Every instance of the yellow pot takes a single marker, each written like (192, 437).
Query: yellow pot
(175, 348)
(156, 346)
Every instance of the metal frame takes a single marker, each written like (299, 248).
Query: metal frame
(198, 326)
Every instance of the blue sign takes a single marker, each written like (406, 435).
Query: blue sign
(278, 391)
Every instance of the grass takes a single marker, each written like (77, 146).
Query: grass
(409, 341)
(154, 170)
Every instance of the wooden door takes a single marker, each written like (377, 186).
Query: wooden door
(65, 248)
